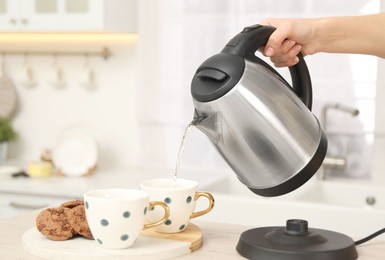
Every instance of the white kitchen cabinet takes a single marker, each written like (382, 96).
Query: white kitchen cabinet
(68, 15)
(8, 9)
(14, 204)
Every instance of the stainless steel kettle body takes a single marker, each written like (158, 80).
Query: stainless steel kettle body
(261, 125)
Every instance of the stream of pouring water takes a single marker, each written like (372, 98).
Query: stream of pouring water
(180, 153)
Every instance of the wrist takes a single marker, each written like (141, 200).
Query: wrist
(321, 35)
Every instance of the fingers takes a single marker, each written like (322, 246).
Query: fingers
(287, 55)
(277, 39)
(281, 47)
(285, 48)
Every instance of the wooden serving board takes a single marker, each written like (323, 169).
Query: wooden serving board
(149, 245)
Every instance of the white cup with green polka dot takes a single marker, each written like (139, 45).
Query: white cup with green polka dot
(117, 216)
(180, 196)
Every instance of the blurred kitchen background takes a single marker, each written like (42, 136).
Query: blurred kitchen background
(137, 102)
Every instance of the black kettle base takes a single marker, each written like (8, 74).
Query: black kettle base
(295, 242)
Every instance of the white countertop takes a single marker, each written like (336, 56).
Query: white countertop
(219, 240)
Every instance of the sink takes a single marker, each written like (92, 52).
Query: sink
(339, 207)
(338, 193)
(344, 194)
(354, 222)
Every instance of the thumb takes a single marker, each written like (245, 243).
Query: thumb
(275, 40)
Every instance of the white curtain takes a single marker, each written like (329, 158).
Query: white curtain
(176, 36)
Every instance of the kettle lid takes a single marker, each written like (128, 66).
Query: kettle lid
(217, 76)
(220, 73)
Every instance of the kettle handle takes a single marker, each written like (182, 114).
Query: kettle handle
(247, 42)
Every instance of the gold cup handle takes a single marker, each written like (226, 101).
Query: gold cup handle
(209, 208)
(165, 217)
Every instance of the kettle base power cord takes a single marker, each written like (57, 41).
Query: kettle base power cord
(370, 237)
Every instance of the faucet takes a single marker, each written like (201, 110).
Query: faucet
(334, 162)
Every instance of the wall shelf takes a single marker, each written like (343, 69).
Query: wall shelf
(64, 44)
(104, 53)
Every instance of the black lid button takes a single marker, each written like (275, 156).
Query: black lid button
(212, 74)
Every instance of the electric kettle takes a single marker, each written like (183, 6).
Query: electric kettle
(263, 127)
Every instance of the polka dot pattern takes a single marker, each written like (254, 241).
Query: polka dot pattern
(104, 222)
(167, 200)
(126, 214)
(124, 237)
(169, 222)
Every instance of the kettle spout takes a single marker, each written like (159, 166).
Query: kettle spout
(210, 125)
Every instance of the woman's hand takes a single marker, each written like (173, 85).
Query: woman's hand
(291, 37)
(349, 34)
